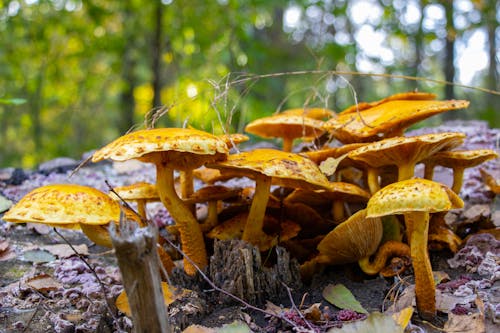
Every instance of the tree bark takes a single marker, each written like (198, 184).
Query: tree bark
(449, 57)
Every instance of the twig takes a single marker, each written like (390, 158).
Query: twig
(294, 307)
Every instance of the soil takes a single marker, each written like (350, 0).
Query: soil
(70, 298)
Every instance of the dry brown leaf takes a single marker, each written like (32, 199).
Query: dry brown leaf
(64, 250)
(6, 251)
(472, 323)
(313, 312)
(43, 283)
(41, 229)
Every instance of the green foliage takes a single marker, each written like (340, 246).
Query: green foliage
(86, 70)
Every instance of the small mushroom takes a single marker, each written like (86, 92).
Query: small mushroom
(211, 195)
(268, 166)
(172, 149)
(337, 195)
(416, 199)
(141, 193)
(490, 181)
(287, 127)
(387, 119)
(458, 160)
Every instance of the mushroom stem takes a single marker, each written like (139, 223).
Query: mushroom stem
(458, 176)
(187, 187)
(287, 144)
(187, 225)
(425, 290)
(372, 180)
(429, 170)
(406, 171)
(255, 221)
(141, 208)
(387, 250)
(338, 211)
(212, 218)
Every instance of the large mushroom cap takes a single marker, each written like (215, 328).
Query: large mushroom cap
(314, 113)
(352, 240)
(462, 158)
(399, 150)
(285, 125)
(136, 191)
(63, 204)
(200, 145)
(338, 191)
(404, 96)
(286, 169)
(386, 119)
(412, 195)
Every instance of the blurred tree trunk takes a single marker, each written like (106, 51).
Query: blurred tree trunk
(449, 56)
(128, 76)
(419, 46)
(493, 77)
(156, 54)
(36, 102)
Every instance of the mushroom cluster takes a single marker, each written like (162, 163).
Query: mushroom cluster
(351, 211)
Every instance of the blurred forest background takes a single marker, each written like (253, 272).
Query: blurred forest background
(75, 74)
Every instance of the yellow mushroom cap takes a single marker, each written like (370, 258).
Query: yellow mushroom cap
(338, 191)
(400, 150)
(386, 118)
(142, 143)
(286, 169)
(61, 204)
(356, 238)
(412, 195)
(314, 113)
(462, 158)
(136, 191)
(286, 126)
(409, 96)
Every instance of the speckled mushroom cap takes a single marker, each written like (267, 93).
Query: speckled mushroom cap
(286, 169)
(136, 191)
(356, 238)
(314, 113)
(462, 158)
(409, 96)
(399, 150)
(184, 148)
(212, 193)
(286, 125)
(63, 204)
(386, 119)
(412, 195)
(338, 191)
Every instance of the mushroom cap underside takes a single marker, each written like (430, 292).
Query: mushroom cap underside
(286, 126)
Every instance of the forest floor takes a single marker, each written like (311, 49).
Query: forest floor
(46, 287)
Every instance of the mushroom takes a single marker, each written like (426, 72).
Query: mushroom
(268, 166)
(403, 152)
(490, 181)
(211, 195)
(287, 127)
(314, 113)
(416, 199)
(169, 149)
(404, 96)
(337, 195)
(387, 119)
(458, 160)
(141, 193)
(75, 206)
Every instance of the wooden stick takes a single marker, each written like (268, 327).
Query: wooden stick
(138, 260)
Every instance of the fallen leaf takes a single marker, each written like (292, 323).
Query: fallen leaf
(440, 276)
(170, 294)
(43, 283)
(65, 251)
(313, 313)
(342, 298)
(376, 322)
(473, 323)
(4, 245)
(39, 228)
(235, 327)
(4, 204)
(329, 166)
(37, 256)
(6, 251)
